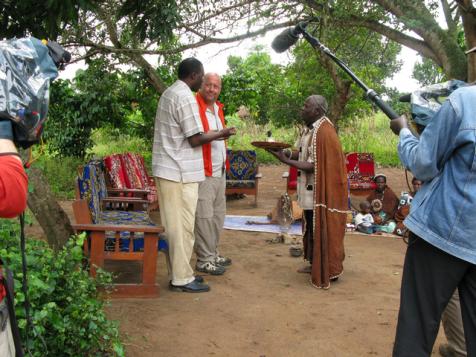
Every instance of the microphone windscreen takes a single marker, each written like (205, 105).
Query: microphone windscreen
(284, 40)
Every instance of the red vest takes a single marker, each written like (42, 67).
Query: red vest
(207, 148)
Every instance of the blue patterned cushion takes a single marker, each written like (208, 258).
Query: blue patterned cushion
(89, 190)
(243, 165)
(124, 218)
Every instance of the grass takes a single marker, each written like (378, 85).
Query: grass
(371, 134)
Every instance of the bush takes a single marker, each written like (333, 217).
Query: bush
(109, 141)
(67, 309)
(248, 131)
(61, 174)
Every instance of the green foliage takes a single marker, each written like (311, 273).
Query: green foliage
(253, 82)
(60, 174)
(149, 16)
(67, 309)
(371, 134)
(427, 72)
(109, 141)
(42, 19)
(99, 96)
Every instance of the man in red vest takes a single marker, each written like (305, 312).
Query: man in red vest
(211, 206)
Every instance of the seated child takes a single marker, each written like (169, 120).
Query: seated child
(364, 222)
(381, 219)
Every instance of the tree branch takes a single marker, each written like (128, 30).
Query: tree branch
(397, 36)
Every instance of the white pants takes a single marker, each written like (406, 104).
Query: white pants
(178, 203)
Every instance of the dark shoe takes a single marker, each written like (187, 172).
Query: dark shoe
(223, 261)
(193, 287)
(210, 268)
(198, 279)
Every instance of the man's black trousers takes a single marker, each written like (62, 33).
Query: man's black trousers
(430, 276)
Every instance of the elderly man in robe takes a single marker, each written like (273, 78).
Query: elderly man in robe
(322, 192)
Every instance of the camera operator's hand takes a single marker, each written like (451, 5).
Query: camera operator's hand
(398, 124)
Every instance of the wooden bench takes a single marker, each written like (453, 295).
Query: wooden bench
(95, 249)
(116, 230)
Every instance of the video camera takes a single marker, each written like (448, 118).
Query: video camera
(27, 66)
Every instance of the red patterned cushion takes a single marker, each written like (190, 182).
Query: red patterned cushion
(360, 170)
(115, 172)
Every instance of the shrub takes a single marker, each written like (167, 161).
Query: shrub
(67, 309)
(60, 173)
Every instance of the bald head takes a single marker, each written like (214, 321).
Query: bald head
(314, 108)
(319, 101)
(211, 87)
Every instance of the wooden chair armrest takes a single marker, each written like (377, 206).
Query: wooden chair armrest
(124, 200)
(117, 228)
(127, 190)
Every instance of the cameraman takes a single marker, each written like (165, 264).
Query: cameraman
(13, 179)
(13, 194)
(441, 253)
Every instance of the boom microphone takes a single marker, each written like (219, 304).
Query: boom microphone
(288, 37)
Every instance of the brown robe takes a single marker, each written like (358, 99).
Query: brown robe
(331, 206)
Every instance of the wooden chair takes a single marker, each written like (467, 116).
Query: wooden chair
(291, 180)
(243, 175)
(91, 185)
(360, 172)
(98, 250)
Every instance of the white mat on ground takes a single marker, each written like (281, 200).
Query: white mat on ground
(239, 223)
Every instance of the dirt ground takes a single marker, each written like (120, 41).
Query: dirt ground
(262, 307)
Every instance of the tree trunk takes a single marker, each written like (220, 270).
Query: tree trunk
(49, 214)
(469, 24)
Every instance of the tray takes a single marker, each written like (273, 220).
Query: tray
(273, 145)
